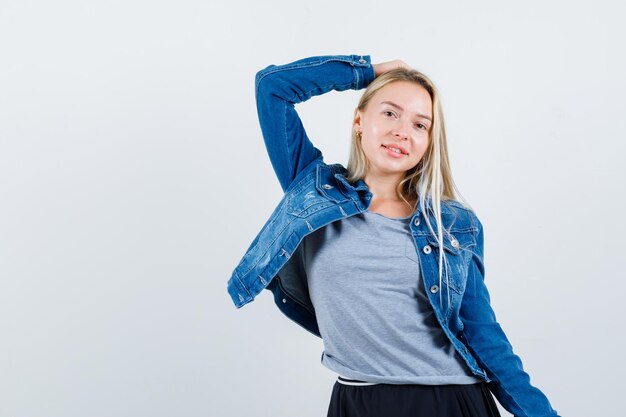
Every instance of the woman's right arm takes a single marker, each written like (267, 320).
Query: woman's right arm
(279, 88)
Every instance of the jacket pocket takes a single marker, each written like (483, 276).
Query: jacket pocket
(457, 255)
(305, 200)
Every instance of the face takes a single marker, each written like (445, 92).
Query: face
(395, 127)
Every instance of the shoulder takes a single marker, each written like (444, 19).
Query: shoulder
(463, 212)
(307, 173)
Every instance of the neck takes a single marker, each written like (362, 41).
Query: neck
(384, 187)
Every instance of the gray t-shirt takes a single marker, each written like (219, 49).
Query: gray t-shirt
(374, 317)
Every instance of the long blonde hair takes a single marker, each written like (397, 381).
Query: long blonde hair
(431, 178)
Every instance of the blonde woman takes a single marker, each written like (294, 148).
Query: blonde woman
(382, 259)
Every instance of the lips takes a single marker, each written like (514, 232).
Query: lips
(394, 146)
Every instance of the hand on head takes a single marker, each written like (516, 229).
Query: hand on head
(383, 67)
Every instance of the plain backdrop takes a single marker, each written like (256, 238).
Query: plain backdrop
(133, 177)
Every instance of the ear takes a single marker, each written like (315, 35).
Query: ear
(356, 124)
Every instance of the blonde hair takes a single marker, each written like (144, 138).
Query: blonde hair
(432, 177)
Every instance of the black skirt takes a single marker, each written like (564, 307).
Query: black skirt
(353, 398)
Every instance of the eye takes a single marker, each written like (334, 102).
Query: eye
(388, 113)
(421, 126)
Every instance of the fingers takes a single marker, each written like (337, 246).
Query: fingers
(400, 64)
(384, 67)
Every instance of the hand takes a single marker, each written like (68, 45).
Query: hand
(383, 67)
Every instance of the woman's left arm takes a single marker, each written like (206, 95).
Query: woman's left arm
(490, 346)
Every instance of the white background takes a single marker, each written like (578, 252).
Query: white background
(133, 177)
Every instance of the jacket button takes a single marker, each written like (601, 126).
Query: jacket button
(362, 60)
(284, 300)
(327, 186)
(434, 288)
(454, 242)
(416, 221)
(426, 249)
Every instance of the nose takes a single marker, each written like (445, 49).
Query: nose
(401, 131)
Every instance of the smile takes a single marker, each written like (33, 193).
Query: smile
(393, 151)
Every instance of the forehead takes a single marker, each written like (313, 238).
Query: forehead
(411, 96)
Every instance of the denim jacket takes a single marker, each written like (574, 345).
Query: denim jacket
(316, 194)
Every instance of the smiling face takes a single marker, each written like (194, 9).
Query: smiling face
(395, 128)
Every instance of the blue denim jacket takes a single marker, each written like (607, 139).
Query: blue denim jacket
(317, 194)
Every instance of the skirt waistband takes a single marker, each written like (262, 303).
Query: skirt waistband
(347, 381)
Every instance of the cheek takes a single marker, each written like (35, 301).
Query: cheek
(421, 146)
(374, 130)
(369, 147)
(423, 142)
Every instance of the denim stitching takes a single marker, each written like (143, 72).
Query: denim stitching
(290, 162)
(262, 255)
(242, 284)
(267, 71)
(310, 92)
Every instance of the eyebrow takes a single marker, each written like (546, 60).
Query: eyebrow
(391, 103)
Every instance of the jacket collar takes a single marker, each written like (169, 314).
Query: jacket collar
(360, 188)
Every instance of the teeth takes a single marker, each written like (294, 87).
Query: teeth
(393, 149)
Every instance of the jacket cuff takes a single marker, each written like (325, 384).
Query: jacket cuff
(363, 69)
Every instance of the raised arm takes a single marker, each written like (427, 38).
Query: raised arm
(279, 88)
(489, 344)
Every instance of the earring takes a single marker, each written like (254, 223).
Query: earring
(359, 134)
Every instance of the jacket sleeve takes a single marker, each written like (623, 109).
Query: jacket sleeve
(491, 348)
(279, 88)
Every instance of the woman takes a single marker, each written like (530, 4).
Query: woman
(354, 255)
